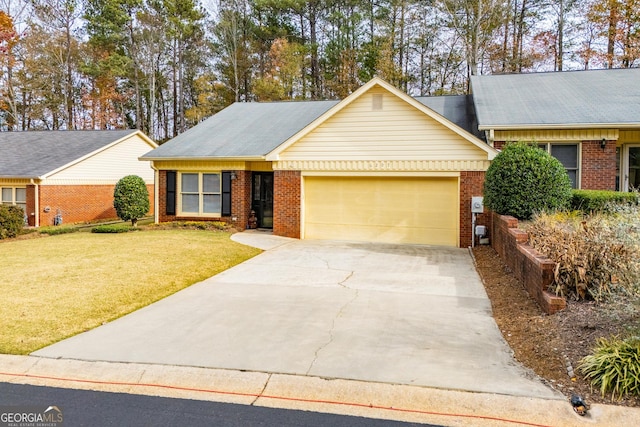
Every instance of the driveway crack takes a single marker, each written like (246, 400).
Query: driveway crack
(342, 283)
(333, 325)
(259, 395)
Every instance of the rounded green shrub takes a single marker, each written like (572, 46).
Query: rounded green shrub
(11, 221)
(131, 199)
(524, 179)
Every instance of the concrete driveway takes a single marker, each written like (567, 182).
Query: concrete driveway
(397, 314)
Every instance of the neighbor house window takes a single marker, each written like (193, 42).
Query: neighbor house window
(15, 196)
(200, 194)
(568, 154)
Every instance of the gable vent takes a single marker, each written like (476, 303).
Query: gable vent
(376, 104)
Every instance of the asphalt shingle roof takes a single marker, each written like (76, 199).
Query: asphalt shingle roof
(456, 108)
(249, 129)
(33, 154)
(597, 97)
(255, 129)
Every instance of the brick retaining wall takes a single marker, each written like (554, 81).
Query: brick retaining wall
(534, 270)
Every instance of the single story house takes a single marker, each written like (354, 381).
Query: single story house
(69, 176)
(383, 166)
(377, 166)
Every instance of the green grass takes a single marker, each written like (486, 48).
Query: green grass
(55, 287)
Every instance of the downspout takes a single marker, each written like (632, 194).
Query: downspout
(36, 220)
(490, 136)
(156, 192)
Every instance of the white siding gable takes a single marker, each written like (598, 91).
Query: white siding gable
(110, 164)
(379, 125)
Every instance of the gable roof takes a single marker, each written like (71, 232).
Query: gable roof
(257, 130)
(36, 154)
(568, 99)
(242, 130)
(394, 91)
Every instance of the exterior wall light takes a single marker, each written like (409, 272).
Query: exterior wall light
(603, 144)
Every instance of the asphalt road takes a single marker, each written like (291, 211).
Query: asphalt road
(92, 408)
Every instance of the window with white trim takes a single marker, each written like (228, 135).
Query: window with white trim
(569, 156)
(14, 196)
(200, 194)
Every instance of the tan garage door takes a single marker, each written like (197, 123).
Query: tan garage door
(382, 209)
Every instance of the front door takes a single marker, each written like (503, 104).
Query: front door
(632, 175)
(262, 198)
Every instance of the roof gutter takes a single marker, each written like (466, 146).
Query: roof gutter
(529, 126)
(217, 158)
(20, 177)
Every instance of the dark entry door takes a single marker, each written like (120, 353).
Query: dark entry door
(262, 198)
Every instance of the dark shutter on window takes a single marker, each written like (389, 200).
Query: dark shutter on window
(226, 193)
(171, 193)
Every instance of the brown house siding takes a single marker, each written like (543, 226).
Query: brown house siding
(287, 203)
(76, 203)
(471, 184)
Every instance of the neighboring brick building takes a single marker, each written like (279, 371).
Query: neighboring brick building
(383, 166)
(69, 176)
(589, 120)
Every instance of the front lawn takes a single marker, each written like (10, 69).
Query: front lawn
(54, 287)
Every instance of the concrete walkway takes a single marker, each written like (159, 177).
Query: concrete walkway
(397, 314)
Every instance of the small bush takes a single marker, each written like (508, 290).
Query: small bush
(523, 179)
(596, 255)
(614, 366)
(53, 231)
(601, 200)
(113, 228)
(11, 221)
(131, 199)
(194, 225)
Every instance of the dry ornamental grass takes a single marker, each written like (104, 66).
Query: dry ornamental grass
(596, 256)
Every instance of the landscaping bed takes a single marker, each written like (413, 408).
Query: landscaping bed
(544, 343)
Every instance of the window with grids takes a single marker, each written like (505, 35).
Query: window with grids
(200, 194)
(15, 196)
(568, 155)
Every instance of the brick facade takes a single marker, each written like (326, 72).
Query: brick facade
(287, 209)
(471, 184)
(287, 187)
(598, 168)
(240, 201)
(162, 198)
(76, 203)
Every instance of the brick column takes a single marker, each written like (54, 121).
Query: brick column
(471, 184)
(598, 169)
(287, 187)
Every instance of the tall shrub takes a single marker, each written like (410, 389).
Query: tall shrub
(131, 199)
(11, 221)
(524, 179)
